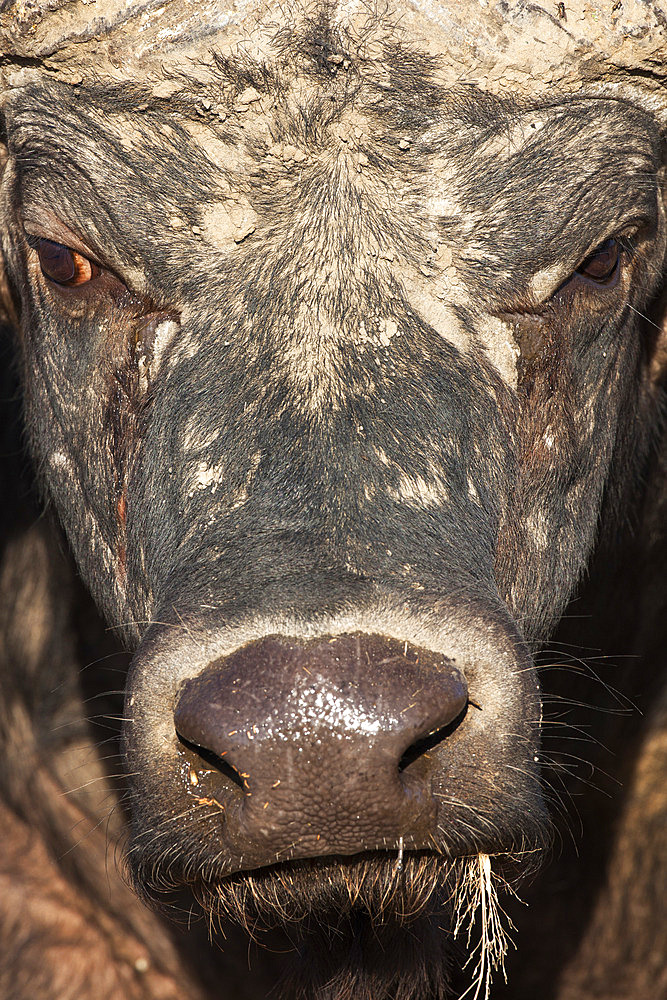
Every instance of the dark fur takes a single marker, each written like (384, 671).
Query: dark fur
(303, 519)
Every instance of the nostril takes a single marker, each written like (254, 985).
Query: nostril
(422, 746)
(214, 762)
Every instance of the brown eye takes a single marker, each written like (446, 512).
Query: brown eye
(602, 266)
(63, 265)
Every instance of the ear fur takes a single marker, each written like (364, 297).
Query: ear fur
(658, 314)
(7, 311)
(658, 319)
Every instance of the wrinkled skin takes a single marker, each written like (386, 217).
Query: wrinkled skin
(331, 370)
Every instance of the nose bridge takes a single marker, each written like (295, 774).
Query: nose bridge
(307, 396)
(384, 453)
(376, 475)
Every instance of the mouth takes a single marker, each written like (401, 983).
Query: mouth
(387, 888)
(374, 924)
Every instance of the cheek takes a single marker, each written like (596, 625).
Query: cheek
(86, 384)
(73, 446)
(573, 404)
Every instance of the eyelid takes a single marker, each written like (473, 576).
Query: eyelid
(34, 239)
(107, 277)
(628, 236)
(551, 281)
(609, 255)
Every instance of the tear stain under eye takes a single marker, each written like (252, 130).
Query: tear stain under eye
(121, 551)
(121, 508)
(121, 554)
(534, 339)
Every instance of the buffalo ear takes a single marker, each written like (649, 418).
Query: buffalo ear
(659, 323)
(7, 311)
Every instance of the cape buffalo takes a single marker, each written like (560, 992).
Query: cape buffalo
(337, 331)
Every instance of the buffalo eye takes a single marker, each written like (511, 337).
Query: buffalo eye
(602, 266)
(63, 265)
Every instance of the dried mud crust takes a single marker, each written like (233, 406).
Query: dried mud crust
(528, 48)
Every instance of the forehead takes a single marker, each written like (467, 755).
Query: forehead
(417, 67)
(422, 62)
(384, 125)
(528, 46)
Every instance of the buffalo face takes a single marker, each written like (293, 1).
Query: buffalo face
(328, 374)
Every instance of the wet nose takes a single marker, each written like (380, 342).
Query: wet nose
(310, 740)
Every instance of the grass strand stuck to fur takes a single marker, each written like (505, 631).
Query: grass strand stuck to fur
(477, 903)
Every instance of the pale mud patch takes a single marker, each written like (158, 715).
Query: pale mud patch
(61, 462)
(127, 131)
(206, 477)
(382, 455)
(388, 330)
(545, 282)
(189, 343)
(379, 331)
(242, 495)
(505, 145)
(426, 294)
(165, 335)
(227, 223)
(310, 361)
(498, 340)
(418, 492)
(197, 438)
(225, 155)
